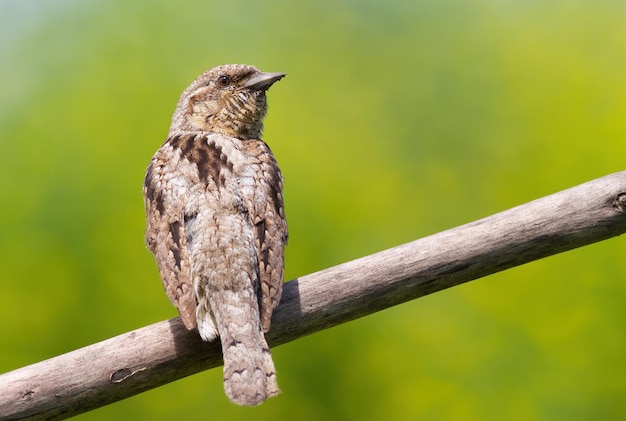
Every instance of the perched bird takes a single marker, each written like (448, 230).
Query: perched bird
(216, 223)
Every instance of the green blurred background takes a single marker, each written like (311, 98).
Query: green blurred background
(397, 119)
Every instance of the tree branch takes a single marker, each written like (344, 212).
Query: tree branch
(146, 358)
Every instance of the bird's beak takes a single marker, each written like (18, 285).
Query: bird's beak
(263, 81)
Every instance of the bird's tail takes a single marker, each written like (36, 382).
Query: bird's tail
(249, 373)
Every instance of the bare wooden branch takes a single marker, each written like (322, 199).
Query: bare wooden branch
(131, 363)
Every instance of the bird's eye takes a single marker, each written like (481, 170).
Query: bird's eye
(224, 80)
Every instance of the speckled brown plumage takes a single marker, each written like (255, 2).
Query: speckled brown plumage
(216, 223)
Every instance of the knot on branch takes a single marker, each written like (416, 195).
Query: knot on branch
(620, 202)
(122, 374)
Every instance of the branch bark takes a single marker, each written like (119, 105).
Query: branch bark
(131, 363)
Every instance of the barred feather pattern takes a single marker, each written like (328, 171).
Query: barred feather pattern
(216, 223)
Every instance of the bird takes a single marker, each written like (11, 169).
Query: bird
(215, 222)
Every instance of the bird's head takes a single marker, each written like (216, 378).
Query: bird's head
(227, 99)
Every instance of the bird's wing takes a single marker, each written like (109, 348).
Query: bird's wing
(165, 232)
(268, 216)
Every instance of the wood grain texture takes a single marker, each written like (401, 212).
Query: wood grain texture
(136, 361)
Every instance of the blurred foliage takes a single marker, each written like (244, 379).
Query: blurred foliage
(397, 119)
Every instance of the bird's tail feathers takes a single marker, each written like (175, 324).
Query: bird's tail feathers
(249, 373)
